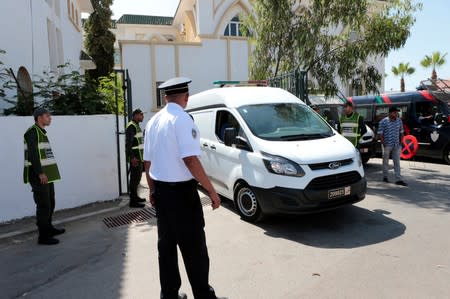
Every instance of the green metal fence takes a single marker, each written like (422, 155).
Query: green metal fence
(296, 82)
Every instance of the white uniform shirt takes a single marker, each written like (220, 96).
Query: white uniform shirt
(170, 136)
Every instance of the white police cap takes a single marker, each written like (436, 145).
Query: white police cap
(176, 85)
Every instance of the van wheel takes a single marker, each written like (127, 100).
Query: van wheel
(247, 204)
(447, 154)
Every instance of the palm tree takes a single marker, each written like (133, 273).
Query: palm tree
(435, 60)
(402, 70)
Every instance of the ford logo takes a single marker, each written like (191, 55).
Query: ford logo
(334, 165)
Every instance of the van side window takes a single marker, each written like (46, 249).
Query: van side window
(383, 111)
(426, 111)
(225, 120)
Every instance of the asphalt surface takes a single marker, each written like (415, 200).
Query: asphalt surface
(394, 244)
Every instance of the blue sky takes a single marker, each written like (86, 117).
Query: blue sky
(430, 33)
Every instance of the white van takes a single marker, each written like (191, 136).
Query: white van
(269, 152)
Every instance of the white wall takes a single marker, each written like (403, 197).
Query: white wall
(24, 36)
(86, 152)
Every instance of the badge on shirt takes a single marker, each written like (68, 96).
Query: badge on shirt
(194, 133)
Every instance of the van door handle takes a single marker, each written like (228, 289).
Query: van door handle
(213, 147)
(205, 144)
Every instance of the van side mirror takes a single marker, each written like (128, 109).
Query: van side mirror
(230, 136)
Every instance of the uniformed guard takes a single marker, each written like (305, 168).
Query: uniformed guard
(351, 124)
(134, 146)
(41, 171)
(173, 170)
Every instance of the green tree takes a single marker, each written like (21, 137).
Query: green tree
(328, 38)
(100, 40)
(4, 77)
(402, 70)
(434, 61)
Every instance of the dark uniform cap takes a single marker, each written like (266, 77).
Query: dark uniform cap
(176, 85)
(137, 111)
(394, 108)
(348, 104)
(40, 111)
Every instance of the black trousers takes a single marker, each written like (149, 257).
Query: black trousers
(44, 197)
(180, 222)
(135, 179)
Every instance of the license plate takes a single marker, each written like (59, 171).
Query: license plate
(341, 192)
(364, 150)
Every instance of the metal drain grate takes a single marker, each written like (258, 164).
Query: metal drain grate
(140, 216)
(130, 218)
(205, 201)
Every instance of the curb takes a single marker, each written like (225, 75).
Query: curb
(66, 220)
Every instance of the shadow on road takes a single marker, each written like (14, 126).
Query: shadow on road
(428, 188)
(346, 227)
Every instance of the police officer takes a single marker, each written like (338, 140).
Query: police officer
(173, 170)
(41, 171)
(351, 124)
(134, 146)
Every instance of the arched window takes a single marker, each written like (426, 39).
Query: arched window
(234, 27)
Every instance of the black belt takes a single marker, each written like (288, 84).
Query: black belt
(176, 184)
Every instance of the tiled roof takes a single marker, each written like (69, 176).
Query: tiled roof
(145, 20)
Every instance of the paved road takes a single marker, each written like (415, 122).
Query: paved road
(394, 244)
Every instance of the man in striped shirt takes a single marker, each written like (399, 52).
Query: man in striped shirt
(391, 132)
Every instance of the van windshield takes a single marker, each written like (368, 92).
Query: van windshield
(285, 121)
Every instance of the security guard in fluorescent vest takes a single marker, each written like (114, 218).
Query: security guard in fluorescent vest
(41, 171)
(173, 170)
(134, 149)
(352, 125)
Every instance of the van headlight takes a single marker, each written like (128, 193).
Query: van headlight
(282, 166)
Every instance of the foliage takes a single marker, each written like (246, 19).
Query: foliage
(402, 70)
(5, 78)
(67, 92)
(100, 40)
(328, 38)
(435, 60)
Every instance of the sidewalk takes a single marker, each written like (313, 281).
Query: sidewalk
(28, 225)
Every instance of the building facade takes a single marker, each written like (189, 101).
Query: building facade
(202, 41)
(39, 35)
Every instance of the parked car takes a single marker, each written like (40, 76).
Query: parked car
(269, 152)
(424, 116)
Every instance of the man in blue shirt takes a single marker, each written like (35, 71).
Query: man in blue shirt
(391, 135)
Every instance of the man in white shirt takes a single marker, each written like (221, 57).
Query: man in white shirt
(173, 170)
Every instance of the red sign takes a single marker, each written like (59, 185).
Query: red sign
(409, 147)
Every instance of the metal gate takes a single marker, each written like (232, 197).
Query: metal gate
(121, 122)
(296, 82)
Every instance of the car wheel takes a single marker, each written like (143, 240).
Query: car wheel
(447, 154)
(247, 204)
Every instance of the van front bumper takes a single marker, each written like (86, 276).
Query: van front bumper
(279, 200)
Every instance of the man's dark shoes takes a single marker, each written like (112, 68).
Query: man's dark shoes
(57, 231)
(135, 204)
(140, 199)
(182, 296)
(401, 183)
(385, 180)
(47, 241)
